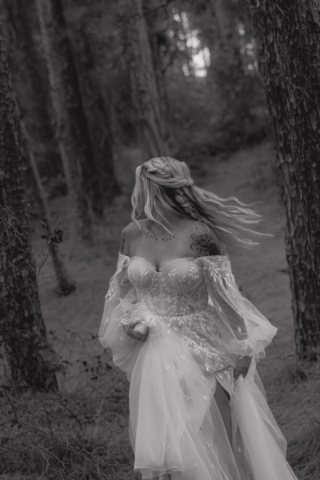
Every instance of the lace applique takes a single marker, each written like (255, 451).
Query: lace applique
(119, 279)
(177, 290)
(178, 296)
(197, 299)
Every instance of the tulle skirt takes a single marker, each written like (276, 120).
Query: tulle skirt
(175, 424)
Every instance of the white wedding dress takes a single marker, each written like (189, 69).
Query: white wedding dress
(199, 325)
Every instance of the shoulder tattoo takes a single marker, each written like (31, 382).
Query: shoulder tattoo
(204, 242)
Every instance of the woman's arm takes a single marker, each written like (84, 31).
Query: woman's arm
(127, 235)
(124, 241)
(130, 331)
(245, 332)
(205, 243)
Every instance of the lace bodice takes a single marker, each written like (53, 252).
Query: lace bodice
(197, 299)
(179, 296)
(177, 289)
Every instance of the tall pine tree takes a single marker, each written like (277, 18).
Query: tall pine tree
(72, 130)
(22, 330)
(144, 91)
(32, 94)
(289, 61)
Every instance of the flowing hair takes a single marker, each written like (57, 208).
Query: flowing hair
(164, 185)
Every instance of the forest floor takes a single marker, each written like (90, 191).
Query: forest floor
(82, 432)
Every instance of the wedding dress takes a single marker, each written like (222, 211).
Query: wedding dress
(199, 325)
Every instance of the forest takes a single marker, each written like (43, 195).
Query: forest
(89, 90)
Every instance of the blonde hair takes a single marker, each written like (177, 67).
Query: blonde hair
(164, 185)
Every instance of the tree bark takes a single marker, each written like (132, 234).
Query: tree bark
(226, 69)
(23, 333)
(65, 285)
(157, 24)
(226, 14)
(98, 112)
(30, 80)
(144, 90)
(289, 62)
(33, 99)
(71, 125)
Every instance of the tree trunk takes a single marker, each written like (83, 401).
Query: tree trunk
(226, 14)
(30, 80)
(143, 82)
(71, 125)
(289, 59)
(233, 88)
(65, 285)
(99, 115)
(157, 23)
(226, 69)
(23, 333)
(33, 105)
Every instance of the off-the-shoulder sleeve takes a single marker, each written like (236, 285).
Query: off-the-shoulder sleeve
(244, 330)
(119, 303)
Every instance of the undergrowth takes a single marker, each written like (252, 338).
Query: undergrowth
(80, 436)
(84, 435)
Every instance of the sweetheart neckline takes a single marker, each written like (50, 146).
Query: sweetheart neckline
(175, 260)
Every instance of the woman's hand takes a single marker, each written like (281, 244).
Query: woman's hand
(242, 367)
(130, 330)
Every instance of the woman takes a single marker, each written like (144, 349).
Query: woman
(188, 341)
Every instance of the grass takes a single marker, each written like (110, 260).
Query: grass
(81, 433)
(66, 436)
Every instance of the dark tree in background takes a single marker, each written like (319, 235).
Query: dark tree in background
(29, 79)
(144, 91)
(226, 61)
(289, 59)
(236, 103)
(65, 284)
(156, 16)
(35, 117)
(98, 109)
(71, 126)
(22, 329)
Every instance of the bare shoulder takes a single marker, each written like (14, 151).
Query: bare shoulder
(128, 234)
(131, 229)
(203, 240)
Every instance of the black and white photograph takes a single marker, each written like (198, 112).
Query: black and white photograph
(159, 239)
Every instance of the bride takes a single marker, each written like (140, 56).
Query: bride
(188, 341)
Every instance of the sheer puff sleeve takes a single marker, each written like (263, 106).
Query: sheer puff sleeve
(244, 330)
(120, 303)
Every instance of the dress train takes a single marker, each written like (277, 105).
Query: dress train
(199, 324)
